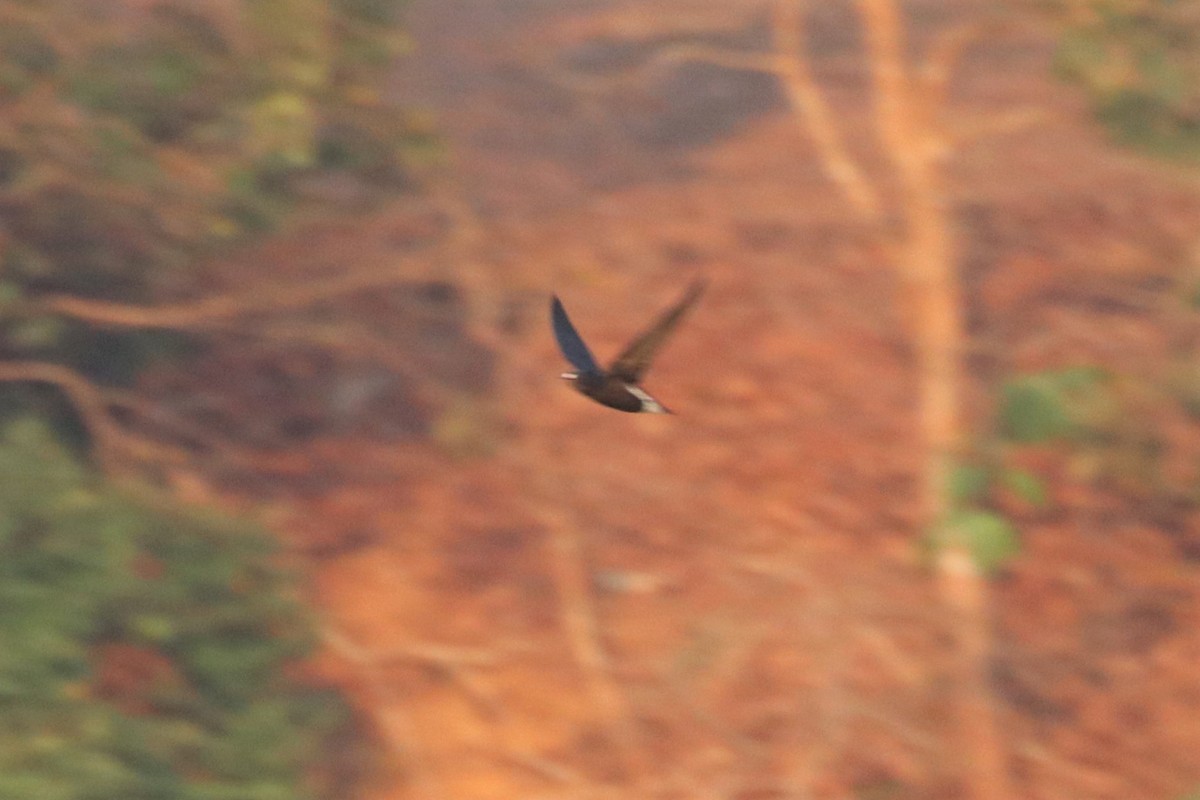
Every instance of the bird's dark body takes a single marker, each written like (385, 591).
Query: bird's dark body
(618, 386)
(608, 391)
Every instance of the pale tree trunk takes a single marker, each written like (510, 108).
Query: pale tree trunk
(925, 255)
(927, 260)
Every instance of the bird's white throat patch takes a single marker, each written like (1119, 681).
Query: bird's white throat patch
(649, 404)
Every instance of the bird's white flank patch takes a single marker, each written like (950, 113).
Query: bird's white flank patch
(649, 404)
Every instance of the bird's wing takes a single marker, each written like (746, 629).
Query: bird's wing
(569, 340)
(631, 364)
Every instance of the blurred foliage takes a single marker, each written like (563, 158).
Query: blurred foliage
(1137, 61)
(146, 650)
(138, 139)
(149, 652)
(1072, 403)
(988, 537)
(1081, 407)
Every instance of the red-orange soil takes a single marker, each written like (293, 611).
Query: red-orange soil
(536, 597)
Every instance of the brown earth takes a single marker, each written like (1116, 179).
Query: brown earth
(533, 596)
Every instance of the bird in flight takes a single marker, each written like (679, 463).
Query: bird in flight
(619, 386)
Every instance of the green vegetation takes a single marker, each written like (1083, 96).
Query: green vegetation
(1072, 404)
(988, 536)
(138, 141)
(1099, 428)
(1077, 407)
(145, 651)
(1137, 62)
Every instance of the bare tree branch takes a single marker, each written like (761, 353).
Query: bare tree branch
(810, 108)
(670, 54)
(789, 64)
(109, 442)
(579, 619)
(397, 727)
(944, 57)
(199, 313)
(353, 341)
(440, 655)
(969, 132)
(458, 663)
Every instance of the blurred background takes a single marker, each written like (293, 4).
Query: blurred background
(293, 503)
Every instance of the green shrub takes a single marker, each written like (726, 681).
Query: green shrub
(990, 539)
(1073, 403)
(136, 147)
(1077, 407)
(145, 649)
(1136, 62)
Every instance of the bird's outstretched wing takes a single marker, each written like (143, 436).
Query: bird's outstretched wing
(631, 364)
(569, 340)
